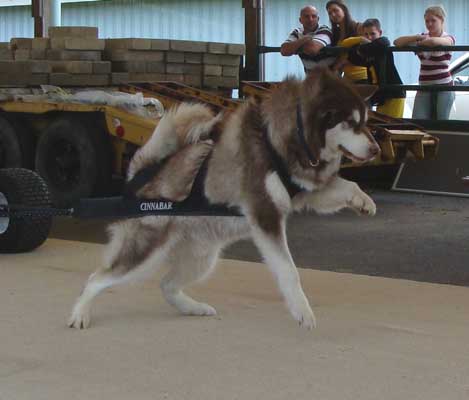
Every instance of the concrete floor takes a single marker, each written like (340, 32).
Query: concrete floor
(413, 236)
(377, 338)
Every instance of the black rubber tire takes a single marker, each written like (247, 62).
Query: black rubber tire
(16, 145)
(24, 187)
(74, 160)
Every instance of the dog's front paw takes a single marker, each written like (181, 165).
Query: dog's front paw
(80, 318)
(302, 312)
(200, 309)
(362, 204)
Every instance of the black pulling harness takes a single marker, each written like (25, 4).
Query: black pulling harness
(197, 200)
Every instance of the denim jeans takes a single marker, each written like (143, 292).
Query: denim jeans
(422, 105)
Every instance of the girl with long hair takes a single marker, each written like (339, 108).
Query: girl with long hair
(345, 32)
(434, 65)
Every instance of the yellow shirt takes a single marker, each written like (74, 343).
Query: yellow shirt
(353, 72)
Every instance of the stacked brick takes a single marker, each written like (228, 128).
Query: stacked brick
(199, 64)
(74, 56)
(70, 56)
(20, 72)
(133, 60)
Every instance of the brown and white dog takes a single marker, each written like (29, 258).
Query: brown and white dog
(254, 164)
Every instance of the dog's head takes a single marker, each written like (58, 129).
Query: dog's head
(334, 116)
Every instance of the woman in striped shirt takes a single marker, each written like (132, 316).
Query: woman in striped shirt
(434, 65)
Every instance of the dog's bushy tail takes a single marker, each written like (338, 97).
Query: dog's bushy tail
(181, 125)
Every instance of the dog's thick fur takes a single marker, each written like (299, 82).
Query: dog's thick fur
(241, 173)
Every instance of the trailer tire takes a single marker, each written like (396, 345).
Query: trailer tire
(16, 145)
(72, 159)
(24, 233)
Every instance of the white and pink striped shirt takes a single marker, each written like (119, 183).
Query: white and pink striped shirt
(434, 65)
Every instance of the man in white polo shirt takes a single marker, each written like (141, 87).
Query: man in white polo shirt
(308, 41)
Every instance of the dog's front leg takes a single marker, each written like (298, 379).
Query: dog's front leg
(268, 232)
(338, 194)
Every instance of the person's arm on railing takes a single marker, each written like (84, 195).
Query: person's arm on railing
(306, 44)
(292, 47)
(409, 40)
(437, 41)
(313, 47)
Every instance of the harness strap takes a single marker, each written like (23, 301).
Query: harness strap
(313, 161)
(279, 166)
(141, 178)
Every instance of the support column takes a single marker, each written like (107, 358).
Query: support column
(37, 9)
(253, 38)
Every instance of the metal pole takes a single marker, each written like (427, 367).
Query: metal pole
(254, 38)
(37, 11)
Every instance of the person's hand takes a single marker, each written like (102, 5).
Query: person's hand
(426, 42)
(364, 40)
(420, 38)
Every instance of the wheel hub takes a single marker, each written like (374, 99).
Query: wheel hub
(4, 221)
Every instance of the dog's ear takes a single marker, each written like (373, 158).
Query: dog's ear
(366, 91)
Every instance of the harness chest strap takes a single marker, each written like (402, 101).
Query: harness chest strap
(313, 161)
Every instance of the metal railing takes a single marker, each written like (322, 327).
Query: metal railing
(383, 85)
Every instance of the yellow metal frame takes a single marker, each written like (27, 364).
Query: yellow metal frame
(136, 129)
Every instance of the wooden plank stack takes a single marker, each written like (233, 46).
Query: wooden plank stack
(75, 56)
(199, 64)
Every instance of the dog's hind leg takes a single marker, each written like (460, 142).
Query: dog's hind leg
(189, 263)
(136, 250)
